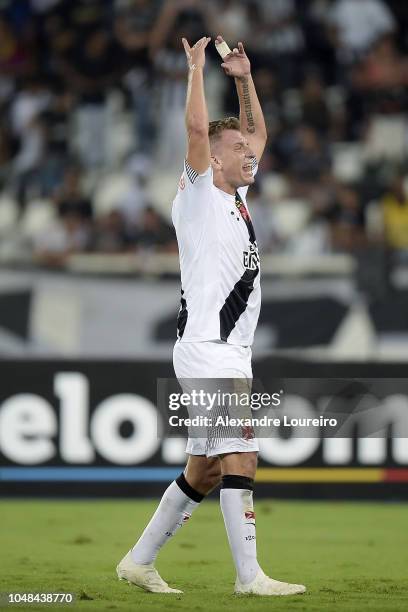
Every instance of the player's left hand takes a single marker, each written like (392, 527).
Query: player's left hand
(236, 64)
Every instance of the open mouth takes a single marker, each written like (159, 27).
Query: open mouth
(248, 168)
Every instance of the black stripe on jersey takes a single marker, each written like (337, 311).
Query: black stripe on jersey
(191, 173)
(182, 316)
(237, 301)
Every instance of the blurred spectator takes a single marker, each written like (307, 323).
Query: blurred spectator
(69, 198)
(154, 234)
(191, 19)
(309, 160)
(269, 92)
(357, 24)
(92, 67)
(381, 79)
(322, 195)
(320, 51)
(347, 220)
(109, 234)
(135, 200)
(43, 6)
(66, 236)
(32, 99)
(55, 121)
(56, 118)
(28, 163)
(71, 232)
(84, 16)
(14, 52)
(6, 152)
(60, 62)
(170, 66)
(134, 21)
(315, 110)
(400, 12)
(29, 132)
(377, 86)
(261, 211)
(395, 213)
(278, 39)
(233, 20)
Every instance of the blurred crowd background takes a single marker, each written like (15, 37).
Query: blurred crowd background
(92, 137)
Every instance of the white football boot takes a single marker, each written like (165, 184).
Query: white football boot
(263, 585)
(144, 576)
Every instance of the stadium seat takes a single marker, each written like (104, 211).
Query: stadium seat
(8, 213)
(162, 190)
(335, 97)
(374, 219)
(38, 215)
(111, 188)
(347, 161)
(274, 187)
(386, 138)
(292, 104)
(290, 216)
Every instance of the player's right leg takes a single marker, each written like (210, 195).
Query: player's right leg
(179, 501)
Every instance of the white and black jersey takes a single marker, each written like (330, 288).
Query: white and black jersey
(219, 262)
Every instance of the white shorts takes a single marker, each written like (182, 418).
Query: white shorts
(214, 359)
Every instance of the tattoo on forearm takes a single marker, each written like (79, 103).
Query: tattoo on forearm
(247, 106)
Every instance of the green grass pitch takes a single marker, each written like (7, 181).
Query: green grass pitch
(351, 556)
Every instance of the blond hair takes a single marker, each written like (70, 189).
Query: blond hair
(215, 128)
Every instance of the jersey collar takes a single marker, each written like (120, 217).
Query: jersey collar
(229, 197)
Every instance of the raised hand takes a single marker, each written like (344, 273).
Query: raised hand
(235, 64)
(196, 53)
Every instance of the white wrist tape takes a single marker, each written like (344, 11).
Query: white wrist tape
(223, 49)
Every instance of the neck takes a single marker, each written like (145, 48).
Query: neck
(224, 186)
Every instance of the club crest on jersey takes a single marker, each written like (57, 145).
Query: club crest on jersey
(251, 257)
(242, 209)
(182, 182)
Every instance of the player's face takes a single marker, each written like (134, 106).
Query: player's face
(236, 156)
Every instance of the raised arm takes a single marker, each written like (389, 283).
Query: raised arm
(252, 121)
(198, 148)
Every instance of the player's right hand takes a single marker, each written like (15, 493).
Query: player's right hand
(196, 53)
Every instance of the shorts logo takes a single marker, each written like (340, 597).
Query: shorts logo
(185, 517)
(182, 183)
(247, 432)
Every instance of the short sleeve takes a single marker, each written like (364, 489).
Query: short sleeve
(194, 193)
(244, 190)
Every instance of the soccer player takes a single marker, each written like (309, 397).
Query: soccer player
(219, 311)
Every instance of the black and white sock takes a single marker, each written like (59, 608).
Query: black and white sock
(176, 506)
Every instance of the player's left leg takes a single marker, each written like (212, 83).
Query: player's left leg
(238, 473)
(179, 501)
